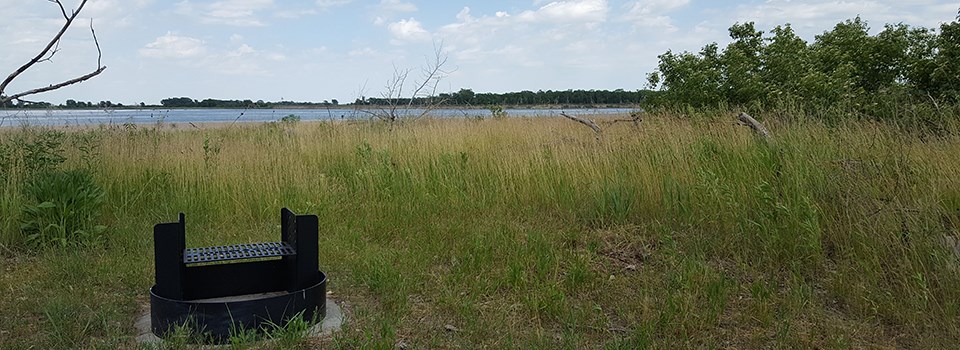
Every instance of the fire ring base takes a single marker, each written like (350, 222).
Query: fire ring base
(218, 318)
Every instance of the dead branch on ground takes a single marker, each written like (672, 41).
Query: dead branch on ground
(755, 125)
(635, 117)
(589, 123)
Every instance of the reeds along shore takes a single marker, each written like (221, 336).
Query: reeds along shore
(531, 232)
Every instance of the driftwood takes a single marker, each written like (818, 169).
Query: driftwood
(589, 123)
(755, 125)
(635, 118)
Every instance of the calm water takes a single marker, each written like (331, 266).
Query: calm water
(182, 116)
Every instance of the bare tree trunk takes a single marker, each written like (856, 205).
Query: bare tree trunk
(755, 125)
(47, 53)
(589, 123)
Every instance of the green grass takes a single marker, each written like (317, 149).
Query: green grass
(528, 233)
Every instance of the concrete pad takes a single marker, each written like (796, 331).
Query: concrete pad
(331, 322)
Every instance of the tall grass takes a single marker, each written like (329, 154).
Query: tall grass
(527, 232)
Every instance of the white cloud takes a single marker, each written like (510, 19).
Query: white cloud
(325, 4)
(193, 52)
(647, 7)
(652, 13)
(569, 11)
(366, 51)
(779, 10)
(244, 60)
(464, 15)
(294, 14)
(243, 50)
(396, 6)
(240, 13)
(174, 46)
(815, 16)
(407, 30)
(114, 13)
(388, 11)
(534, 39)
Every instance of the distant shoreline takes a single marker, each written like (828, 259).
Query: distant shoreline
(203, 125)
(348, 106)
(185, 116)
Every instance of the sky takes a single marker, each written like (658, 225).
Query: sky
(315, 50)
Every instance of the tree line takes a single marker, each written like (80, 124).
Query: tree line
(467, 97)
(176, 102)
(463, 97)
(843, 69)
(70, 104)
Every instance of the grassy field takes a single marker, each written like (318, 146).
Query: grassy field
(526, 232)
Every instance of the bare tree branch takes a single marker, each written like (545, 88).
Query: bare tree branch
(62, 10)
(424, 89)
(394, 92)
(97, 42)
(55, 86)
(432, 73)
(28, 101)
(45, 54)
(585, 121)
(52, 53)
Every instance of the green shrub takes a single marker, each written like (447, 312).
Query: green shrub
(64, 209)
(290, 119)
(497, 112)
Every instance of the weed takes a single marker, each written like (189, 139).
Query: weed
(65, 208)
(614, 204)
(291, 334)
(31, 152)
(211, 149)
(290, 119)
(498, 113)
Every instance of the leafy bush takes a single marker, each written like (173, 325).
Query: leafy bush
(66, 211)
(497, 112)
(903, 74)
(290, 119)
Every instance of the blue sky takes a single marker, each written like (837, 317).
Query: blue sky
(314, 50)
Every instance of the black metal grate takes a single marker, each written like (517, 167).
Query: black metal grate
(236, 252)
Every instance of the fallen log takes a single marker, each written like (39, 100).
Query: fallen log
(589, 123)
(635, 118)
(755, 125)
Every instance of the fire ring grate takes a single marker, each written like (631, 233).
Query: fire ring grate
(237, 252)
